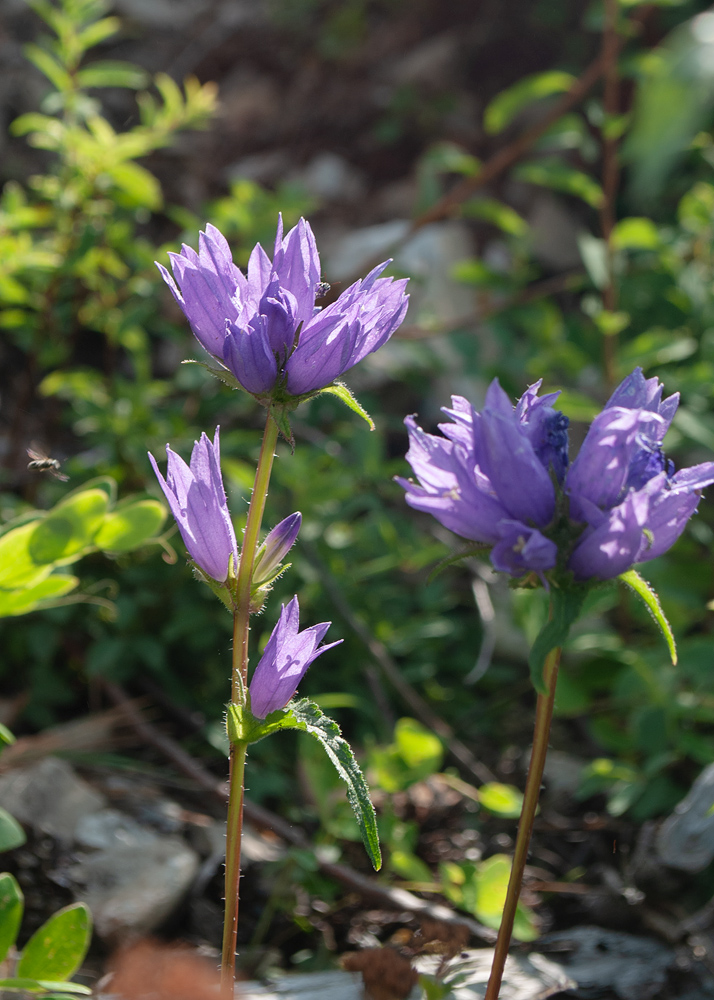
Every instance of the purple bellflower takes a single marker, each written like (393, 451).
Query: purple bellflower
(621, 486)
(492, 477)
(265, 328)
(275, 547)
(197, 500)
(501, 477)
(288, 653)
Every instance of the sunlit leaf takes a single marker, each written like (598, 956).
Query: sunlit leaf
(57, 949)
(506, 105)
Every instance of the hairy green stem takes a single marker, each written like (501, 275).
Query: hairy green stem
(239, 682)
(544, 714)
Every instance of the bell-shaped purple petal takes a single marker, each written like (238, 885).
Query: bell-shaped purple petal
(288, 653)
(198, 502)
(601, 469)
(673, 502)
(247, 354)
(522, 549)
(359, 322)
(518, 477)
(275, 547)
(450, 486)
(604, 552)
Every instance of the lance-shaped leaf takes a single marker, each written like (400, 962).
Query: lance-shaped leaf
(307, 717)
(11, 907)
(642, 588)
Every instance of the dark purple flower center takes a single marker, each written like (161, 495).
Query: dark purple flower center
(548, 434)
(648, 461)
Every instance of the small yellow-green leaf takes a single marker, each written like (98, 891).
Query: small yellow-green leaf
(130, 526)
(561, 177)
(635, 234)
(139, 187)
(501, 800)
(418, 746)
(25, 599)
(506, 105)
(494, 211)
(18, 568)
(69, 528)
(11, 907)
(57, 949)
(11, 833)
(491, 884)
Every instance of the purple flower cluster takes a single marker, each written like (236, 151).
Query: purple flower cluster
(265, 328)
(496, 478)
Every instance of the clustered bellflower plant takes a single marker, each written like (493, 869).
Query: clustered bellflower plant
(271, 339)
(502, 478)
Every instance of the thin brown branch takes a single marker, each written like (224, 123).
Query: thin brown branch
(510, 154)
(501, 161)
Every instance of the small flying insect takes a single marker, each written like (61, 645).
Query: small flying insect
(321, 289)
(43, 463)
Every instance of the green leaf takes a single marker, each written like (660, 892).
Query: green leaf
(17, 566)
(11, 833)
(47, 64)
(69, 528)
(643, 589)
(6, 736)
(418, 747)
(342, 392)
(112, 73)
(487, 902)
(25, 599)
(306, 716)
(566, 605)
(560, 177)
(138, 186)
(506, 105)
(98, 32)
(25, 984)
(635, 234)
(130, 526)
(57, 949)
(11, 907)
(494, 211)
(501, 800)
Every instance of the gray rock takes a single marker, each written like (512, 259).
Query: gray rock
(634, 968)
(686, 838)
(49, 797)
(330, 178)
(554, 232)
(131, 889)
(429, 257)
(110, 828)
(347, 255)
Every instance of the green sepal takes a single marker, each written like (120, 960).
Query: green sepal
(644, 590)
(306, 716)
(340, 390)
(220, 373)
(472, 550)
(281, 415)
(566, 605)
